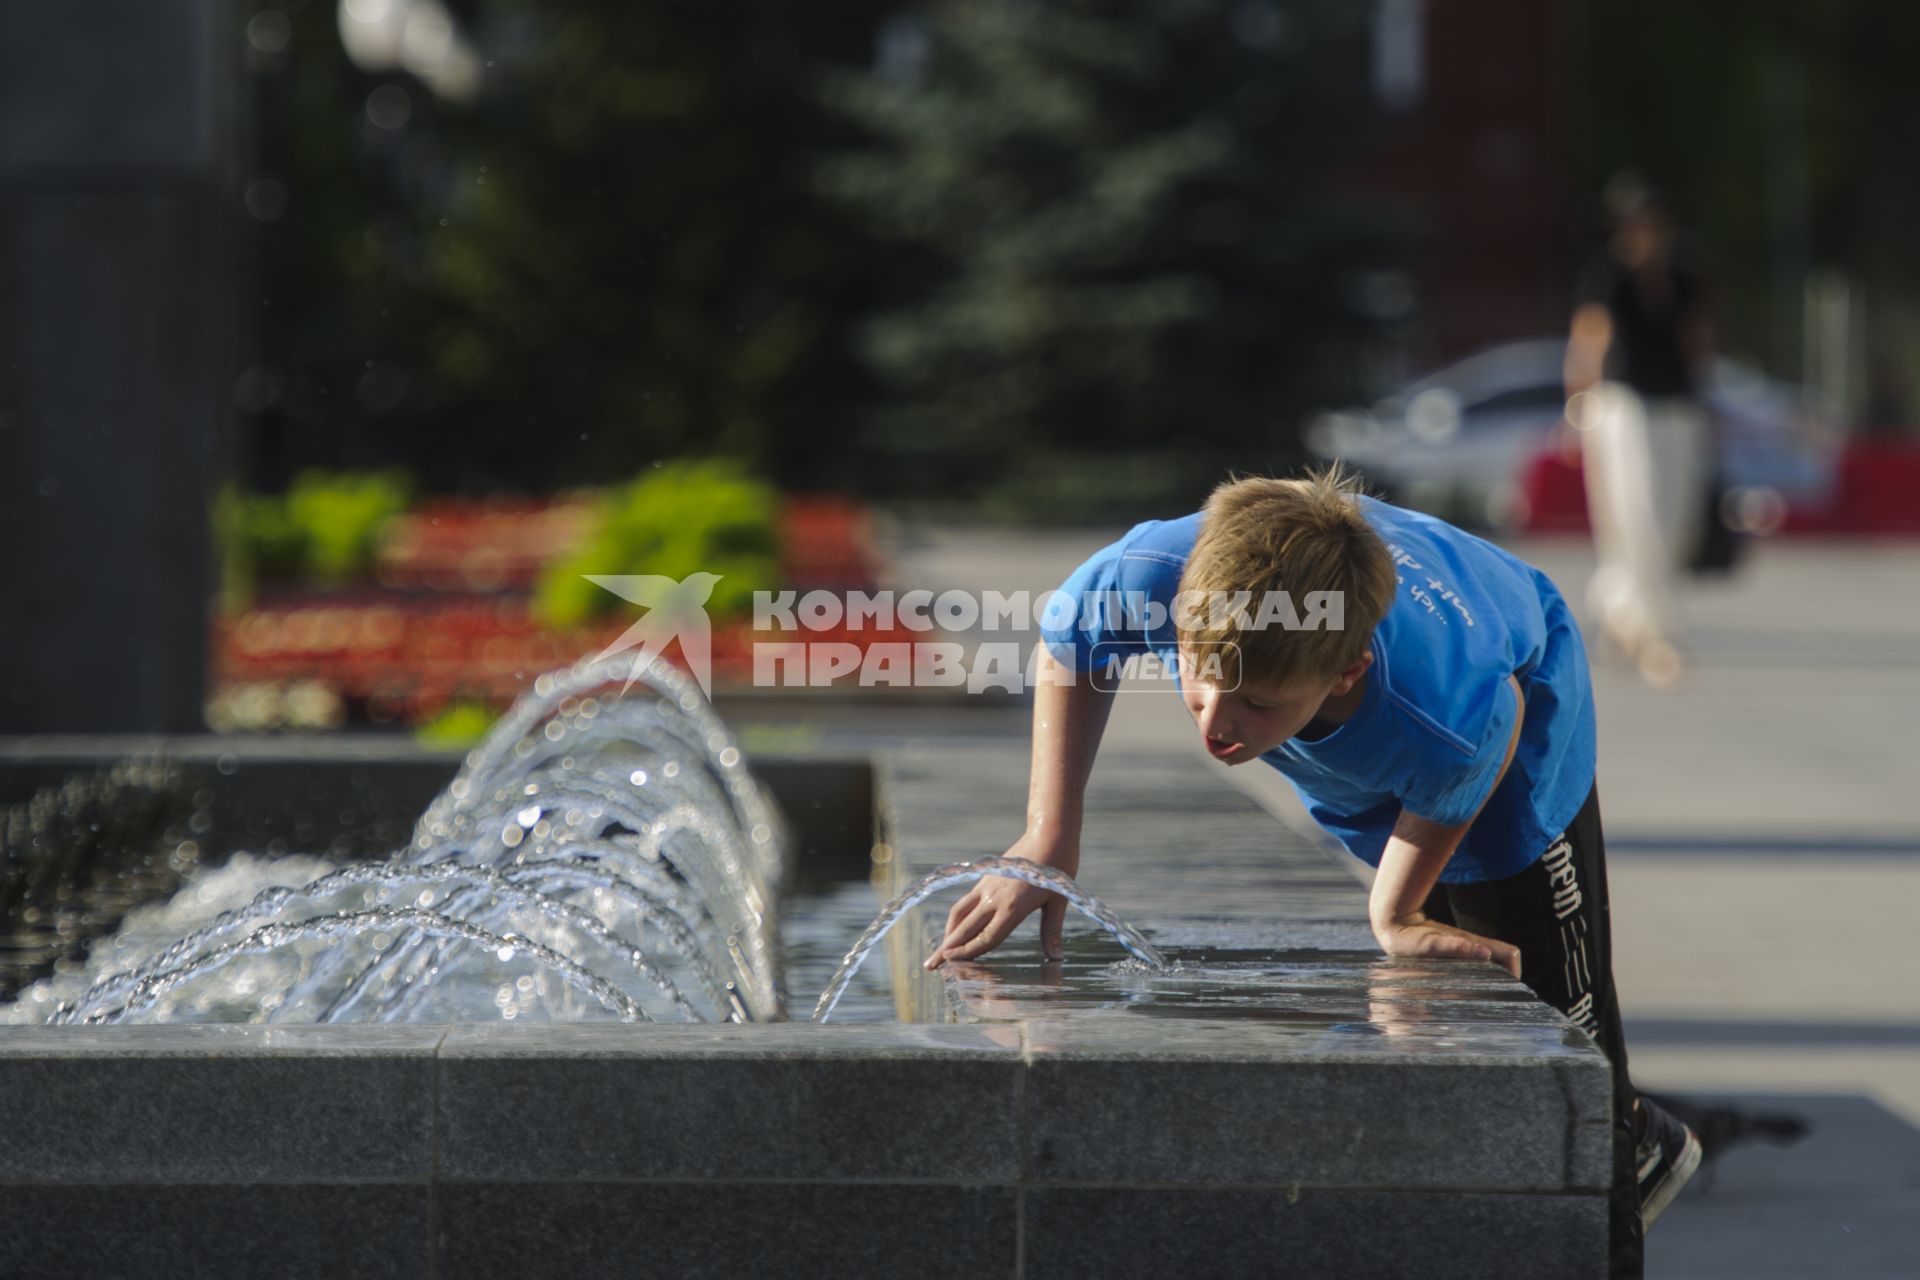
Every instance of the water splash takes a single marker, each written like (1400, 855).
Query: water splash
(572, 762)
(386, 876)
(592, 834)
(615, 843)
(946, 877)
(334, 928)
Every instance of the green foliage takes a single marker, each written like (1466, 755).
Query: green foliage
(676, 519)
(456, 726)
(338, 516)
(1128, 228)
(613, 254)
(274, 543)
(324, 527)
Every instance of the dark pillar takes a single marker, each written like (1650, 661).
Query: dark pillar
(114, 325)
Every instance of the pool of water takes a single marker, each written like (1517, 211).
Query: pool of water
(1334, 995)
(818, 922)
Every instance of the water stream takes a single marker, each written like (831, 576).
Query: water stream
(601, 853)
(964, 873)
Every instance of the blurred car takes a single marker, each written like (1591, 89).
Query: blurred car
(1459, 441)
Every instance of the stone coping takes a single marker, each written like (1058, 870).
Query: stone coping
(1050, 1147)
(1192, 1103)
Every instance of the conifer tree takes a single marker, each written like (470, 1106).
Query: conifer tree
(1127, 231)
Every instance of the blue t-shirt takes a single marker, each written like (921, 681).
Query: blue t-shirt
(1436, 713)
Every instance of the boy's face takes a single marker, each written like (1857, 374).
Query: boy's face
(1237, 725)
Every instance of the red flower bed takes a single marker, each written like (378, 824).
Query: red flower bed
(826, 542)
(451, 622)
(408, 661)
(500, 543)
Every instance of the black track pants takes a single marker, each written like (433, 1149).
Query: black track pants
(1556, 913)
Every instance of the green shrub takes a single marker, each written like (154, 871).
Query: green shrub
(274, 543)
(326, 526)
(457, 725)
(338, 515)
(676, 519)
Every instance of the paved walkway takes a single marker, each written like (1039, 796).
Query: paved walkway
(1764, 848)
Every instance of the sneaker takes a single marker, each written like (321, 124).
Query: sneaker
(1664, 1158)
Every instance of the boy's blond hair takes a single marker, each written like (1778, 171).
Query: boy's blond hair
(1263, 535)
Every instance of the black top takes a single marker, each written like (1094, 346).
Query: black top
(1647, 352)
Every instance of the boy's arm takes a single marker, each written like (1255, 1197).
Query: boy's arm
(1410, 867)
(1069, 716)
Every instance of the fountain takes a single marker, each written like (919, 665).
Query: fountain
(598, 855)
(547, 1034)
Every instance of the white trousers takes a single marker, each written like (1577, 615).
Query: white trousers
(1645, 463)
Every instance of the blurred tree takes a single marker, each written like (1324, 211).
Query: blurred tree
(1129, 239)
(611, 255)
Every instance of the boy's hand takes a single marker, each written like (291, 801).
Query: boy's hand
(987, 913)
(1415, 935)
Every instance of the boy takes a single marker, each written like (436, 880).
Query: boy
(1440, 724)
